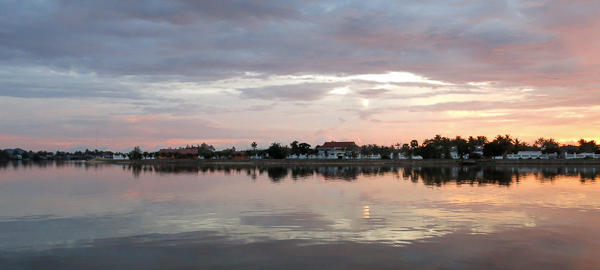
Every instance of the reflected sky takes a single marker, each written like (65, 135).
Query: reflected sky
(73, 204)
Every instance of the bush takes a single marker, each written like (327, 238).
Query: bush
(276, 151)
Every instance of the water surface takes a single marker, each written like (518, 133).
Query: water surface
(71, 215)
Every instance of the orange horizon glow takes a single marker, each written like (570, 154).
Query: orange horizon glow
(74, 144)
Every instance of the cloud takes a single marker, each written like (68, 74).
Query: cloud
(256, 63)
(370, 93)
(261, 108)
(323, 132)
(294, 92)
(41, 82)
(217, 39)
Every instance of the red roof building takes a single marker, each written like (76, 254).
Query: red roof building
(336, 148)
(339, 145)
(193, 152)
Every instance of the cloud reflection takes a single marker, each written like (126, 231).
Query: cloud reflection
(390, 205)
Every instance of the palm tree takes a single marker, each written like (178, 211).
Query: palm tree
(437, 140)
(253, 145)
(481, 140)
(414, 144)
(520, 145)
(505, 142)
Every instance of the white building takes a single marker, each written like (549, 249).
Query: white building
(581, 155)
(120, 157)
(402, 156)
(531, 155)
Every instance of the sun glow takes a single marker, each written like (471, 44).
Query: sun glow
(340, 91)
(365, 102)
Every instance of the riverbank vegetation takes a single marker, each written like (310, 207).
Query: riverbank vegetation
(437, 147)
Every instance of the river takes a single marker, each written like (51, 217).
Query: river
(73, 215)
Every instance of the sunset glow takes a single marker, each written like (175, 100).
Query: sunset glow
(177, 72)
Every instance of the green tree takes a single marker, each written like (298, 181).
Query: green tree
(587, 146)
(547, 145)
(414, 144)
(428, 150)
(539, 142)
(136, 153)
(4, 155)
(295, 148)
(406, 151)
(500, 146)
(304, 148)
(520, 146)
(207, 151)
(478, 141)
(413, 147)
(462, 146)
(277, 151)
(300, 148)
(435, 147)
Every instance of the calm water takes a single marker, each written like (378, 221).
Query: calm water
(76, 216)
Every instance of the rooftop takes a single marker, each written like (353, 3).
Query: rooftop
(338, 144)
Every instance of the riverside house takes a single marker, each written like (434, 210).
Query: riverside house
(336, 149)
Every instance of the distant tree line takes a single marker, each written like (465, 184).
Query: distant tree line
(44, 155)
(440, 147)
(437, 147)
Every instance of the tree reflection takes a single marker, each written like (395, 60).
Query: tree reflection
(136, 170)
(276, 174)
(302, 172)
(429, 175)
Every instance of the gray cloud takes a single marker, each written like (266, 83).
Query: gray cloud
(39, 82)
(261, 108)
(208, 39)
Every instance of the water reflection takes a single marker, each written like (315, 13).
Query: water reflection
(28, 164)
(56, 213)
(428, 175)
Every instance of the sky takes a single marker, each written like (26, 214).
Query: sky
(114, 74)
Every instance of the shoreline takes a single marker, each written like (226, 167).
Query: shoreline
(341, 162)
